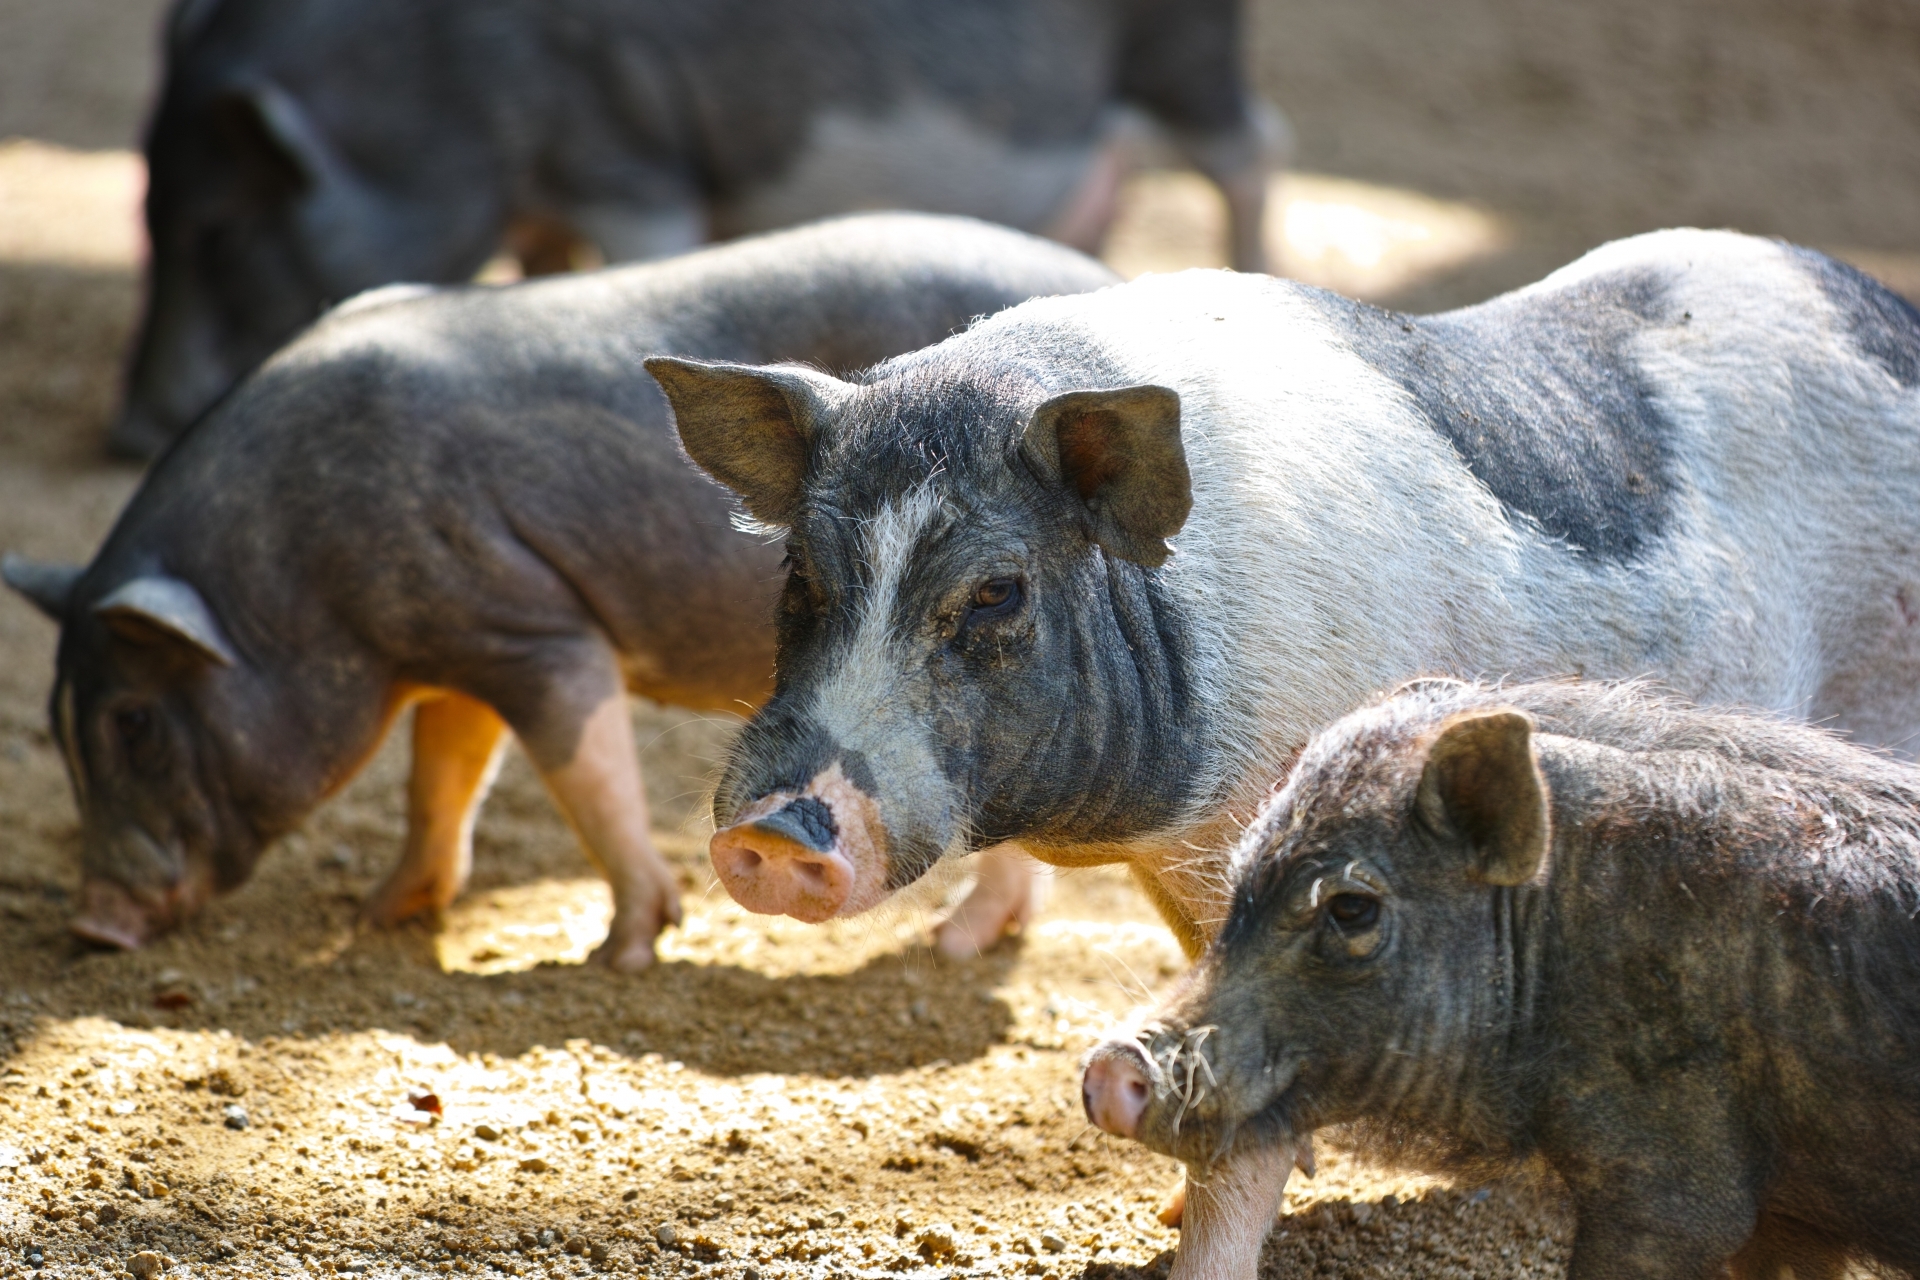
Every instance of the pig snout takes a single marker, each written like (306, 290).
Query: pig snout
(786, 862)
(112, 916)
(1116, 1087)
(812, 855)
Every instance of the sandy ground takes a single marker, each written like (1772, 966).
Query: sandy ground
(269, 1092)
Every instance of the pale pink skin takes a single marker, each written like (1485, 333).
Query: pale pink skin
(1224, 1211)
(1007, 890)
(114, 916)
(771, 875)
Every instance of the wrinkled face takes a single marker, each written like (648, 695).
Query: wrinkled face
(160, 833)
(961, 659)
(183, 762)
(1358, 957)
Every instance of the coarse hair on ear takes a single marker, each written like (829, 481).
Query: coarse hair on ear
(1482, 786)
(750, 427)
(1118, 452)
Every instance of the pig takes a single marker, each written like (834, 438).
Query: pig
(470, 502)
(305, 150)
(1088, 575)
(1668, 953)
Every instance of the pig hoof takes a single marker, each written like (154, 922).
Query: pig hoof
(632, 956)
(1174, 1211)
(391, 910)
(630, 938)
(1000, 903)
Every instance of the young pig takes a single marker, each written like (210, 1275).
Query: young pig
(469, 502)
(1669, 953)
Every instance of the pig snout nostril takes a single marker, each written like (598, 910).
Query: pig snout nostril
(787, 862)
(1116, 1090)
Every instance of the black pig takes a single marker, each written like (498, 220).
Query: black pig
(304, 150)
(1669, 953)
(470, 502)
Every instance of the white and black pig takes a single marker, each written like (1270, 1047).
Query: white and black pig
(1669, 953)
(305, 150)
(1088, 575)
(470, 502)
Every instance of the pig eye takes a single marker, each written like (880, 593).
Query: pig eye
(997, 593)
(992, 599)
(133, 725)
(1353, 912)
(139, 741)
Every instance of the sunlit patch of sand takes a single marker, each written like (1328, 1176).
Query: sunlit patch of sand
(71, 208)
(1358, 238)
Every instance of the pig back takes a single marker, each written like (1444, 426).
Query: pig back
(446, 468)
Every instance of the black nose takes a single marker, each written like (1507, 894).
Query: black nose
(807, 822)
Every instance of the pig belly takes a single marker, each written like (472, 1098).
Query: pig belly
(926, 157)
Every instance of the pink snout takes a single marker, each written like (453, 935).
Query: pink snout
(111, 916)
(786, 862)
(1116, 1087)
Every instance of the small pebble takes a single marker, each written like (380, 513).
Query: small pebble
(724, 1202)
(576, 1246)
(1052, 1242)
(146, 1264)
(666, 1233)
(936, 1242)
(598, 1253)
(235, 1116)
(534, 1164)
(486, 1132)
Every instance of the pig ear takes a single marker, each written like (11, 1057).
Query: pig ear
(748, 427)
(272, 133)
(49, 586)
(1482, 786)
(1120, 453)
(155, 609)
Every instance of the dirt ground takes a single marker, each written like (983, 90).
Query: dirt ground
(269, 1091)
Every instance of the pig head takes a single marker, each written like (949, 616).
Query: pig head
(173, 749)
(268, 201)
(973, 645)
(1356, 976)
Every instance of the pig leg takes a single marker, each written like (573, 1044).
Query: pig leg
(1246, 193)
(1229, 1211)
(600, 792)
(1001, 901)
(544, 245)
(457, 745)
(1240, 164)
(1084, 220)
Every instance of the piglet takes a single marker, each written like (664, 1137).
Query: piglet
(1668, 953)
